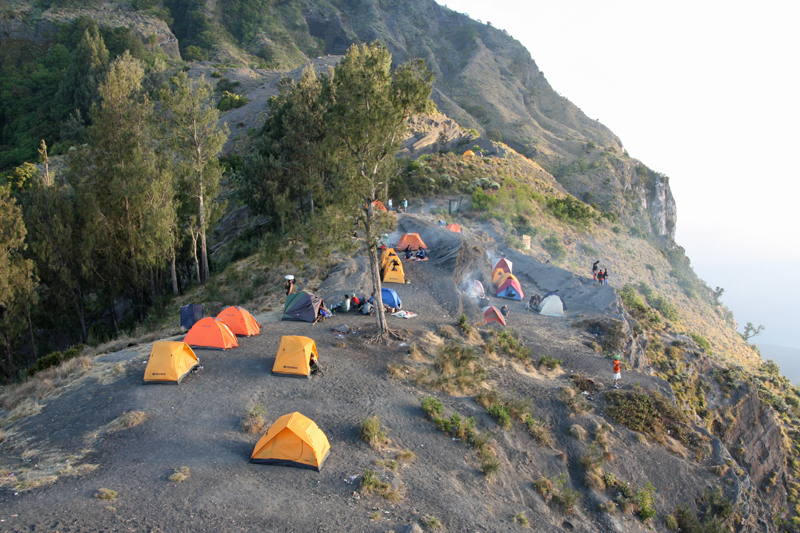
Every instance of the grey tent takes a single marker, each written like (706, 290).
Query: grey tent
(552, 305)
(302, 307)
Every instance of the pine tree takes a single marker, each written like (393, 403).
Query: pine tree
(17, 281)
(80, 86)
(122, 188)
(367, 108)
(190, 128)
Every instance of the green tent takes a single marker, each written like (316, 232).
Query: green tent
(302, 306)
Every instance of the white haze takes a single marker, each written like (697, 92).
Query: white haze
(706, 93)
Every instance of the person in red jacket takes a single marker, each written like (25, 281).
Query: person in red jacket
(617, 369)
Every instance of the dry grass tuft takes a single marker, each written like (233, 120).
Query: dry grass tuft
(405, 456)
(105, 494)
(180, 475)
(447, 331)
(126, 420)
(254, 419)
(371, 483)
(373, 434)
(577, 431)
(594, 481)
(31, 482)
(26, 408)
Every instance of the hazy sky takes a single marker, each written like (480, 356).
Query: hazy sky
(707, 93)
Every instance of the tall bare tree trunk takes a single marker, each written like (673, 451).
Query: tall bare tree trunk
(203, 251)
(375, 270)
(174, 273)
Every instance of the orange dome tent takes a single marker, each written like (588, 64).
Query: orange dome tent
(294, 356)
(240, 321)
(499, 276)
(492, 314)
(410, 239)
(169, 362)
(379, 205)
(453, 227)
(293, 440)
(468, 153)
(211, 333)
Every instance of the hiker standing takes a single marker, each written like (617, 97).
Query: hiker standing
(405, 205)
(346, 304)
(617, 369)
(595, 268)
(289, 285)
(600, 276)
(605, 277)
(390, 204)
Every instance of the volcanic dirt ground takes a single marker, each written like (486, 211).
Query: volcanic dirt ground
(197, 424)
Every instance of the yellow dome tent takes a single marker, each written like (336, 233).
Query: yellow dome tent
(393, 270)
(169, 362)
(293, 440)
(294, 356)
(387, 256)
(468, 153)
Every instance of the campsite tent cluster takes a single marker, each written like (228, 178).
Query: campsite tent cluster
(507, 285)
(293, 440)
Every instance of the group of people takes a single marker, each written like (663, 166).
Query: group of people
(533, 303)
(399, 209)
(419, 256)
(598, 274)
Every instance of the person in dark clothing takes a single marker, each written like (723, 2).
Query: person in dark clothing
(408, 252)
(605, 277)
(504, 311)
(600, 276)
(289, 286)
(421, 254)
(595, 268)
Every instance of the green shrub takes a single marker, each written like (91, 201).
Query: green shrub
(701, 342)
(670, 522)
(500, 413)
(649, 412)
(538, 430)
(549, 362)
(570, 209)
(230, 101)
(645, 499)
(482, 201)
(553, 246)
(372, 433)
(433, 408)
(55, 358)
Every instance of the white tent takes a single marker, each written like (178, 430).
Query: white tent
(552, 305)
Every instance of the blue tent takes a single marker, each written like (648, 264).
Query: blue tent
(391, 298)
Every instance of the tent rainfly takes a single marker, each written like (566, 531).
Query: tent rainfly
(378, 205)
(390, 298)
(410, 239)
(478, 290)
(552, 305)
(453, 227)
(510, 288)
(240, 321)
(293, 440)
(302, 307)
(503, 264)
(169, 362)
(211, 333)
(294, 356)
(492, 314)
